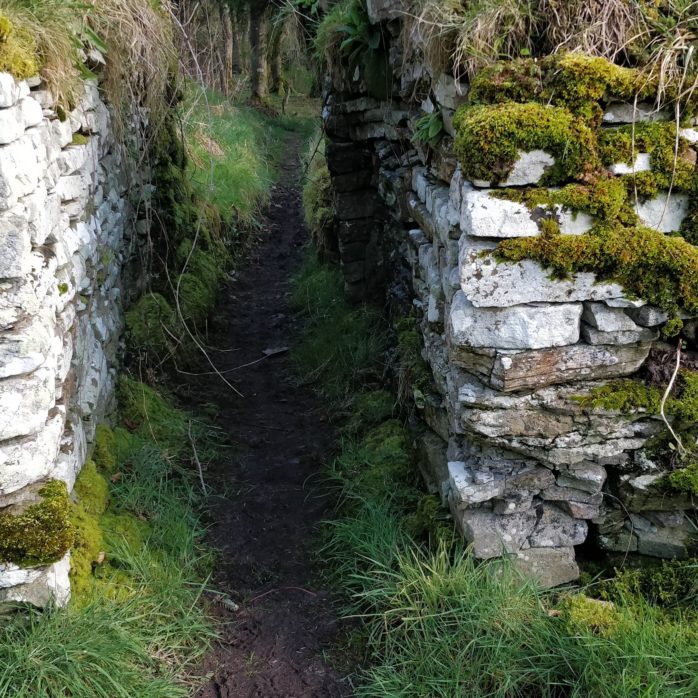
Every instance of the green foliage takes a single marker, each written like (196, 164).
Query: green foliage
(648, 264)
(18, 50)
(429, 128)
(341, 345)
(105, 452)
(489, 139)
(583, 613)
(151, 325)
(317, 199)
(369, 409)
(39, 533)
(415, 377)
(623, 395)
(685, 477)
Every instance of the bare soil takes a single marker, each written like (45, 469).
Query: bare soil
(268, 494)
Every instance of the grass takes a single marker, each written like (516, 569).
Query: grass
(342, 346)
(136, 624)
(430, 619)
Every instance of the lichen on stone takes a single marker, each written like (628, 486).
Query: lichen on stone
(40, 533)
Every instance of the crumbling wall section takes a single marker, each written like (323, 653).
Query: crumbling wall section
(517, 441)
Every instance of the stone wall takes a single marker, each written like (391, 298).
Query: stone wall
(527, 468)
(70, 212)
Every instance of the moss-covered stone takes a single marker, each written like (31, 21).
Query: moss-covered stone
(414, 370)
(42, 532)
(87, 546)
(623, 395)
(685, 478)
(489, 139)
(648, 264)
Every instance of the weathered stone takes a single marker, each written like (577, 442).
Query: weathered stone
(641, 164)
(555, 529)
(529, 168)
(587, 477)
(489, 283)
(19, 171)
(664, 213)
(9, 91)
(596, 337)
(31, 111)
(15, 241)
(517, 327)
(620, 542)
(548, 566)
(491, 535)
(26, 346)
(11, 124)
(606, 319)
(470, 487)
(578, 510)
(449, 93)
(52, 585)
(627, 113)
(381, 10)
(482, 215)
(433, 461)
(568, 494)
(666, 542)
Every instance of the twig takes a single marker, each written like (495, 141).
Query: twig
(679, 444)
(198, 462)
(271, 591)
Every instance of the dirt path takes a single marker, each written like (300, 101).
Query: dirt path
(264, 527)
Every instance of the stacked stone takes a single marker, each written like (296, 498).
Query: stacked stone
(526, 470)
(66, 225)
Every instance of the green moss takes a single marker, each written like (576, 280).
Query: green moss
(623, 395)
(92, 489)
(196, 298)
(105, 449)
(150, 325)
(18, 51)
(489, 139)
(430, 520)
(123, 528)
(40, 534)
(585, 614)
(519, 80)
(648, 264)
(606, 198)
(79, 139)
(87, 545)
(685, 478)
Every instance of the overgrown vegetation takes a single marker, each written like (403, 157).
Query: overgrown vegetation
(432, 621)
(135, 622)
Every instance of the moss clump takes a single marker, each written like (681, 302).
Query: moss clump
(79, 139)
(430, 520)
(623, 395)
(18, 50)
(123, 528)
(647, 263)
(150, 325)
(606, 198)
(196, 298)
(105, 449)
(685, 478)
(520, 80)
(582, 613)
(92, 489)
(40, 534)
(490, 138)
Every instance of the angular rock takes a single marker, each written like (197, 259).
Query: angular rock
(489, 283)
(15, 241)
(11, 124)
(482, 215)
(606, 319)
(627, 113)
(52, 585)
(517, 327)
(449, 93)
(9, 91)
(468, 487)
(491, 535)
(595, 337)
(32, 113)
(550, 567)
(664, 213)
(555, 529)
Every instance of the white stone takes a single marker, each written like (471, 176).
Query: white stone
(26, 346)
(489, 283)
(32, 458)
(32, 113)
(449, 93)
(689, 134)
(515, 327)
(62, 131)
(468, 490)
(72, 158)
(626, 113)
(573, 222)
(9, 90)
(19, 171)
(15, 241)
(11, 124)
(492, 535)
(641, 164)
(606, 319)
(548, 566)
(52, 585)
(25, 402)
(528, 168)
(12, 575)
(482, 215)
(664, 213)
(72, 187)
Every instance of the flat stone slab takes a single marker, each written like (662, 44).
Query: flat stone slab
(515, 327)
(550, 567)
(489, 283)
(511, 371)
(664, 213)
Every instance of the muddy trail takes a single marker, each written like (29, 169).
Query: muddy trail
(268, 496)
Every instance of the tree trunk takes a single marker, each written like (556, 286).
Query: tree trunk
(275, 59)
(258, 53)
(227, 25)
(239, 32)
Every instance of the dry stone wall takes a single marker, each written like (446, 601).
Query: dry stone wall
(526, 468)
(70, 213)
